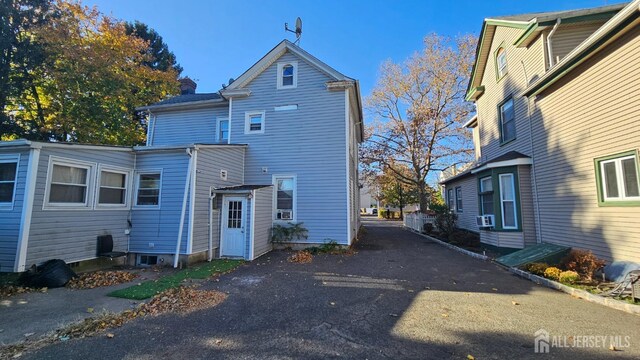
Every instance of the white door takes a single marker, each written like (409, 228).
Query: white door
(233, 227)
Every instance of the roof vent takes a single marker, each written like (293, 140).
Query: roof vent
(187, 86)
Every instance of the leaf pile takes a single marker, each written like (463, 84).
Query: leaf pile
(100, 278)
(183, 300)
(301, 257)
(10, 290)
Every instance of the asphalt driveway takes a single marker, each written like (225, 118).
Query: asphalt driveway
(401, 296)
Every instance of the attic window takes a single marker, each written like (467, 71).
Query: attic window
(287, 75)
(501, 62)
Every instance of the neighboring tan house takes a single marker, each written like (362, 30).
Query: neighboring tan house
(277, 145)
(556, 133)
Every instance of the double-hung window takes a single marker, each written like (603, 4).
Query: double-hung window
(508, 201)
(459, 199)
(450, 200)
(486, 196)
(285, 198)
(148, 189)
(501, 63)
(254, 122)
(287, 75)
(113, 188)
(223, 130)
(507, 121)
(8, 175)
(618, 179)
(68, 184)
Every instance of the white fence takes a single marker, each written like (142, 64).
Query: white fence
(416, 221)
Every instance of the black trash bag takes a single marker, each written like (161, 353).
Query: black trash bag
(51, 274)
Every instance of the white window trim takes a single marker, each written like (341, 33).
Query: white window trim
(501, 69)
(91, 174)
(127, 190)
(11, 158)
(619, 179)
(281, 66)
(137, 186)
(274, 181)
(483, 190)
(502, 201)
(247, 122)
(218, 120)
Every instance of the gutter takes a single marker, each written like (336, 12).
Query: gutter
(189, 104)
(549, 44)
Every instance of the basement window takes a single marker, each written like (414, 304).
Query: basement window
(147, 260)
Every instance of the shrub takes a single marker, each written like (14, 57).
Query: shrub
(536, 268)
(569, 277)
(286, 233)
(464, 238)
(427, 228)
(552, 273)
(445, 221)
(583, 262)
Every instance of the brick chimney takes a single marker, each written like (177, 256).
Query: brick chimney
(187, 86)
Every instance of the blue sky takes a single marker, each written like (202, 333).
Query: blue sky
(215, 40)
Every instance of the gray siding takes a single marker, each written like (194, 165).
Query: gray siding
(590, 113)
(309, 142)
(263, 202)
(512, 239)
(209, 163)
(526, 205)
(70, 235)
(10, 218)
(159, 226)
(187, 126)
(466, 217)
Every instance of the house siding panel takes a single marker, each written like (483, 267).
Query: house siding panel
(10, 218)
(160, 226)
(309, 142)
(568, 36)
(526, 206)
(187, 126)
(467, 217)
(591, 112)
(209, 164)
(518, 59)
(71, 235)
(263, 202)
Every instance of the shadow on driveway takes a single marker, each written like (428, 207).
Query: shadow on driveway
(400, 296)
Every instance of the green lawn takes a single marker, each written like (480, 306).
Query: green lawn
(149, 288)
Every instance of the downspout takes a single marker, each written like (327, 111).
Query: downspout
(549, 46)
(212, 198)
(533, 164)
(184, 208)
(192, 200)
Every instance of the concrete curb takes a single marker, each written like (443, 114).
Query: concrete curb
(582, 294)
(452, 247)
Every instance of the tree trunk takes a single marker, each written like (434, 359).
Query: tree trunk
(424, 197)
(401, 201)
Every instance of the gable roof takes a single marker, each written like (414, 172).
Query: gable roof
(531, 24)
(186, 99)
(273, 55)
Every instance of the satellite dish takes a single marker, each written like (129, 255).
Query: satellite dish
(298, 28)
(297, 31)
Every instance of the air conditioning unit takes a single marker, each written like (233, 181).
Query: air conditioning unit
(485, 221)
(285, 215)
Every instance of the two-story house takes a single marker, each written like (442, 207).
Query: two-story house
(556, 133)
(276, 146)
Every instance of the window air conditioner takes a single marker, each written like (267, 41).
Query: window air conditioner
(485, 221)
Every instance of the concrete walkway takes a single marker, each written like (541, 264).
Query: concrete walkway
(401, 296)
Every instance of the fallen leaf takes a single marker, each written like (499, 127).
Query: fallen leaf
(332, 303)
(394, 315)
(110, 335)
(90, 310)
(445, 315)
(515, 302)
(494, 289)
(612, 348)
(470, 357)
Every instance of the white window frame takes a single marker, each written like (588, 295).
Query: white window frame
(127, 189)
(502, 68)
(619, 179)
(274, 181)
(218, 121)
(247, 122)
(484, 192)
(137, 188)
(10, 159)
(458, 199)
(89, 196)
(451, 202)
(281, 66)
(503, 201)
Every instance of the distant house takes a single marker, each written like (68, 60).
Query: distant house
(277, 145)
(556, 133)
